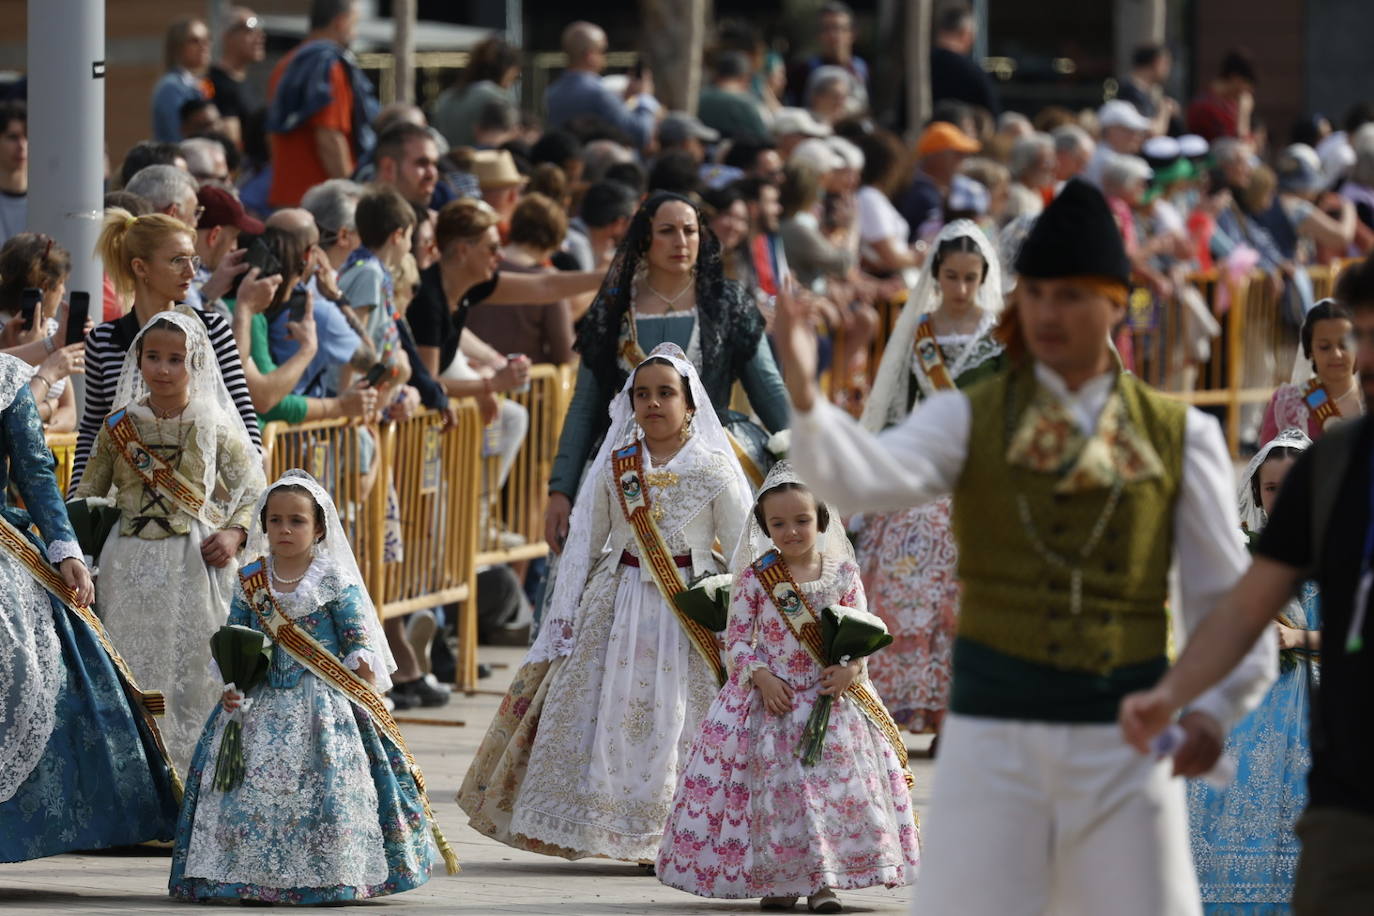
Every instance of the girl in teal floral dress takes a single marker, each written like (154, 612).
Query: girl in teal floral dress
(329, 809)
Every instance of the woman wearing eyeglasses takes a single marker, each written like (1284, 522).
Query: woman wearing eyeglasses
(152, 261)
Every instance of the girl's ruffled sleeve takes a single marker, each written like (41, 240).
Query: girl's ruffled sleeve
(741, 628)
(354, 645)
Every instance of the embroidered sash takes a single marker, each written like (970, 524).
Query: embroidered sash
(325, 665)
(633, 493)
(787, 596)
(633, 355)
(157, 474)
(150, 703)
(1319, 403)
(931, 359)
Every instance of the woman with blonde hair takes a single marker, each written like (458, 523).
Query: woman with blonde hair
(152, 260)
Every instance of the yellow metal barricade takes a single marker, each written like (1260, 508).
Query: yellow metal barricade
(436, 471)
(512, 524)
(346, 459)
(63, 448)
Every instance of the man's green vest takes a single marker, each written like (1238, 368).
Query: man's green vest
(1016, 602)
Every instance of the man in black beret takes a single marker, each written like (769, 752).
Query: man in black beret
(1075, 489)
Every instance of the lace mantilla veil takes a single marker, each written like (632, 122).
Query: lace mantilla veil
(211, 406)
(887, 402)
(1252, 515)
(833, 543)
(334, 555)
(579, 553)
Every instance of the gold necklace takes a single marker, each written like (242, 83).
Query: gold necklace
(671, 303)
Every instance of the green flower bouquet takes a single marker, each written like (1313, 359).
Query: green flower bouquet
(243, 656)
(92, 519)
(707, 601)
(846, 633)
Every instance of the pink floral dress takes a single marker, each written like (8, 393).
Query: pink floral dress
(748, 819)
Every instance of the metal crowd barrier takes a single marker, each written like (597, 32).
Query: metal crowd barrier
(63, 447)
(511, 528)
(436, 471)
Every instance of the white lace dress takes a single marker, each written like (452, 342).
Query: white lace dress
(583, 758)
(158, 598)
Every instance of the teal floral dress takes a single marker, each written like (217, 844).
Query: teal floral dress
(328, 810)
(79, 769)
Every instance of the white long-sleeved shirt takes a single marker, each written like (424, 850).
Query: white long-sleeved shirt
(920, 460)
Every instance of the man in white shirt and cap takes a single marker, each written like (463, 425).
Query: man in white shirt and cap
(1076, 488)
(1123, 131)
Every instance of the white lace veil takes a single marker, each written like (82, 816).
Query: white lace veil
(336, 555)
(887, 402)
(211, 406)
(579, 553)
(1252, 515)
(754, 541)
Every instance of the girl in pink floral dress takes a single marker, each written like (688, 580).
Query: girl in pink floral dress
(749, 820)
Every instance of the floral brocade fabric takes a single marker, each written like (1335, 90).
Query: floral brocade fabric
(748, 819)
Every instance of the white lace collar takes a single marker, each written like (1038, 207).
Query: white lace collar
(830, 572)
(310, 594)
(14, 374)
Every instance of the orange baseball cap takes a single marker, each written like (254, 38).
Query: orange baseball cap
(941, 136)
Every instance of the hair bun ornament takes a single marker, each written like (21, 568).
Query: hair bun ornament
(299, 474)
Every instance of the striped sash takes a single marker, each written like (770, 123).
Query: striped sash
(157, 474)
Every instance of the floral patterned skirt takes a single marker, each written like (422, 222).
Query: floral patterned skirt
(909, 566)
(327, 812)
(749, 820)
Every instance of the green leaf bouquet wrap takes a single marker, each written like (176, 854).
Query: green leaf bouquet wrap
(243, 656)
(846, 634)
(707, 601)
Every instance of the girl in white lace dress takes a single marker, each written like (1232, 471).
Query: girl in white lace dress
(749, 819)
(583, 757)
(165, 575)
(329, 809)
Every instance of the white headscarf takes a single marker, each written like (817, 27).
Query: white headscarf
(891, 394)
(579, 553)
(211, 407)
(833, 543)
(335, 556)
(1252, 515)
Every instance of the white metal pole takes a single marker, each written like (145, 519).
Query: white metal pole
(66, 66)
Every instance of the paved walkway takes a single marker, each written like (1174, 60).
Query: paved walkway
(495, 878)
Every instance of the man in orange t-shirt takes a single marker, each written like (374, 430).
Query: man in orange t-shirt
(315, 129)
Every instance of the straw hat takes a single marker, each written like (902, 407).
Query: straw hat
(495, 169)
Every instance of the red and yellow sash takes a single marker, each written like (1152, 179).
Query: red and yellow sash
(628, 466)
(149, 703)
(1319, 403)
(157, 474)
(787, 596)
(928, 353)
(325, 665)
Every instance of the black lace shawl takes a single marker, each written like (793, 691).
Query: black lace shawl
(729, 319)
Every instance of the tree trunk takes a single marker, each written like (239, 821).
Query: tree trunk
(403, 50)
(674, 34)
(918, 35)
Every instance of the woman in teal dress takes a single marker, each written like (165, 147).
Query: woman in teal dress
(666, 285)
(329, 809)
(1242, 836)
(79, 766)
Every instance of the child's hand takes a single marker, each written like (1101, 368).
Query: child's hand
(232, 699)
(777, 696)
(836, 679)
(365, 672)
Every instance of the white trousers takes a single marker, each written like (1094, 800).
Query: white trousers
(1031, 818)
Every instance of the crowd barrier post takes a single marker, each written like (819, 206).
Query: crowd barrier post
(63, 448)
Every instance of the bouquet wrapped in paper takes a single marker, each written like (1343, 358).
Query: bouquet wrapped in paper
(92, 519)
(846, 634)
(242, 655)
(707, 601)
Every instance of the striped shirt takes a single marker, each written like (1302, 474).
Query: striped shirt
(105, 350)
